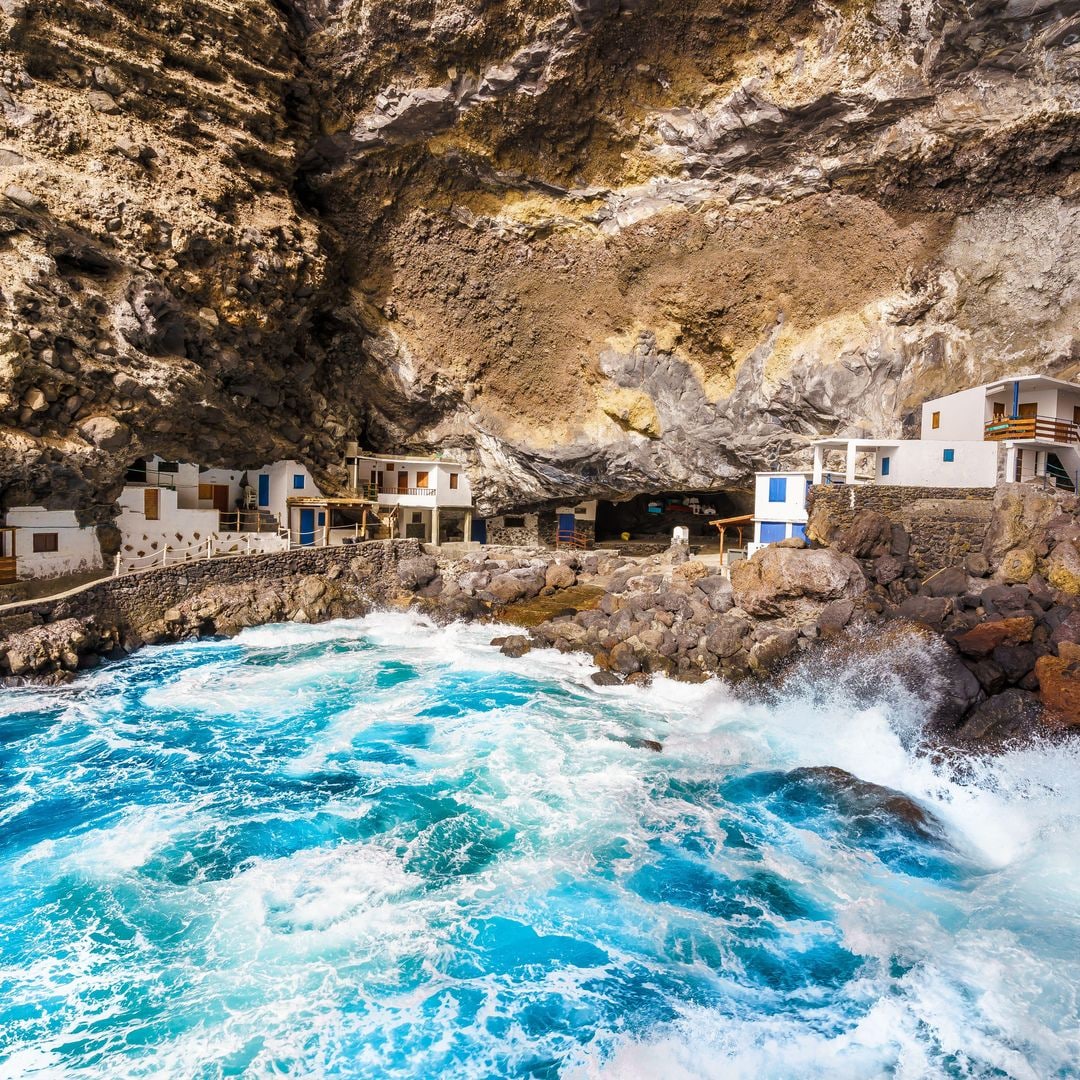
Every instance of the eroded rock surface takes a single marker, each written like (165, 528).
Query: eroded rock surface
(603, 245)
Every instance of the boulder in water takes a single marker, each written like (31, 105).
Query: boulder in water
(860, 798)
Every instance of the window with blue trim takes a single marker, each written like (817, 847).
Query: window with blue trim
(777, 489)
(298, 481)
(948, 455)
(884, 466)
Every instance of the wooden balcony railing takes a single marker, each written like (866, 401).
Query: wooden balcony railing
(406, 491)
(9, 572)
(1046, 428)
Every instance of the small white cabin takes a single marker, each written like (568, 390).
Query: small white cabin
(779, 507)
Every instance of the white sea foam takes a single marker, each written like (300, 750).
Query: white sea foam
(278, 952)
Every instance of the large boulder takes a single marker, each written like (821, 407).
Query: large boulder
(559, 575)
(869, 536)
(952, 581)
(1010, 715)
(416, 572)
(1017, 566)
(1059, 686)
(780, 581)
(1020, 513)
(1063, 569)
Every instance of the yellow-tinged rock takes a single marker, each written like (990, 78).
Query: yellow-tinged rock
(1018, 566)
(1063, 569)
(633, 410)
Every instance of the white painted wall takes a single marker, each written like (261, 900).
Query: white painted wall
(582, 511)
(920, 463)
(790, 512)
(78, 550)
(963, 416)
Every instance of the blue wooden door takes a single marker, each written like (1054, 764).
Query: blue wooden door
(771, 531)
(307, 526)
(567, 526)
(264, 490)
(479, 531)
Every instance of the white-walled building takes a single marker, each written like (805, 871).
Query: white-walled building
(175, 511)
(779, 507)
(1025, 427)
(51, 543)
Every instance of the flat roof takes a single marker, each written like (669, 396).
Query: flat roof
(371, 456)
(866, 444)
(1045, 380)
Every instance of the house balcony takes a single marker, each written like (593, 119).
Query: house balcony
(1041, 428)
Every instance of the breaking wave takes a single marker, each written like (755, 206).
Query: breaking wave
(378, 848)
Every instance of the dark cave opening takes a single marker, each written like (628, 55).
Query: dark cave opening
(647, 519)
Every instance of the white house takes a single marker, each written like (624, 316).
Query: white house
(1017, 429)
(779, 507)
(51, 543)
(176, 511)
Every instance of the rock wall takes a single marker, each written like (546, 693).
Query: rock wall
(944, 524)
(607, 246)
(222, 595)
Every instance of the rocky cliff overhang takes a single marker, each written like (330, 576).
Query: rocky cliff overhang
(607, 246)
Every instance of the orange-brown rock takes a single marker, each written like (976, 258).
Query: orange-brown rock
(1059, 686)
(986, 637)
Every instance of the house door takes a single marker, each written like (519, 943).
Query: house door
(151, 503)
(403, 483)
(1029, 410)
(307, 526)
(221, 498)
(264, 490)
(567, 526)
(479, 531)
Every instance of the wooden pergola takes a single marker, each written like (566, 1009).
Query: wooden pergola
(723, 524)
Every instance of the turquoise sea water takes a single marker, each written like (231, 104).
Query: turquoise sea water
(380, 849)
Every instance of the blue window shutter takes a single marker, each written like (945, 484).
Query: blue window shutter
(771, 531)
(948, 455)
(778, 489)
(884, 466)
(298, 481)
(798, 530)
(264, 490)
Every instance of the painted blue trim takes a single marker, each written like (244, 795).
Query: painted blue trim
(307, 526)
(777, 489)
(1016, 400)
(799, 530)
(298, 481)
(771, 531)
(885, 466)
(948, 455)
(264, 490)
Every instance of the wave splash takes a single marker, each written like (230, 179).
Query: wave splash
(379, 848)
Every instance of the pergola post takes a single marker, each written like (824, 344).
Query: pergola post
(819, 463)
(435, 525)
(849, 464)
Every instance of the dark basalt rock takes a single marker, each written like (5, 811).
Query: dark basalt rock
(1009, 716)
(638, 743)
(860, 798)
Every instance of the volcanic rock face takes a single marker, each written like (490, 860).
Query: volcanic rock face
(607, 245)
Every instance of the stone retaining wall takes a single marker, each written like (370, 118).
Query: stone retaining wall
(944, 524)
(144, 598)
